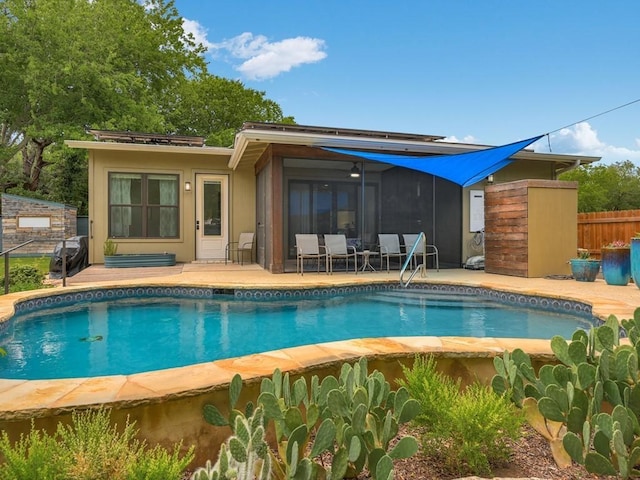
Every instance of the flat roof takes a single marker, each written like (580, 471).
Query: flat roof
(146, 138)
(145, 147)
(351, 132)
(254, 138)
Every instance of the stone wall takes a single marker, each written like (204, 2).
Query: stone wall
(47, 223)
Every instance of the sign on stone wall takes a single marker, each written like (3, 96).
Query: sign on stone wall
(47, 223)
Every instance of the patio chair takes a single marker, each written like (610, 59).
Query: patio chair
(243, 245)
(389, 244)
(423, 250)
(308, 247)
(337, 249)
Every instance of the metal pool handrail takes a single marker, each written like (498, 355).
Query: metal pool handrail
(422, 268)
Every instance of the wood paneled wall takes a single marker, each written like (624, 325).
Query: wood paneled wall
(530, 227)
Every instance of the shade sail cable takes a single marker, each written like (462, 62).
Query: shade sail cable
(463, 168)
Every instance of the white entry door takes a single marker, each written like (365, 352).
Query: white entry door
(212, 216)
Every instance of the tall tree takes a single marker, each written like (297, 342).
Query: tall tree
(69, 63)
(216, 107)
(69, 178)
(606, 187)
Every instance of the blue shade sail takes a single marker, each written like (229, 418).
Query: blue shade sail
(463, 168)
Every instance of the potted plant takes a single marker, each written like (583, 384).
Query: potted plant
(584, 268)
(110, 248)
(635, 259)
(616, 263)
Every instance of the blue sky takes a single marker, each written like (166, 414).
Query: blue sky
(487, 72)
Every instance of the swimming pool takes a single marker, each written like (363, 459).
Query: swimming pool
(125, 331)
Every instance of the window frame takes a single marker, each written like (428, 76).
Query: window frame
(145, 206)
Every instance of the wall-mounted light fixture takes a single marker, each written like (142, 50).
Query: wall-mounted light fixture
(187, 186)
(355, 171)
(490, 179)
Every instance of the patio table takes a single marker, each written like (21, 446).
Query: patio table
(366, 256)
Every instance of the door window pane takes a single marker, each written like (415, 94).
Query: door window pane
(212, 208)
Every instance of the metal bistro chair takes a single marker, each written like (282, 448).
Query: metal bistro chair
(308, 247)
(337, 248)
(389, 244)
(244, 244)
(427, 250)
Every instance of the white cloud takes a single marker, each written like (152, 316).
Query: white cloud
(453, 139)
(198, 31)
(582, 139)
(264, 59)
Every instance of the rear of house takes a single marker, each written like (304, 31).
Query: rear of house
(152, 194)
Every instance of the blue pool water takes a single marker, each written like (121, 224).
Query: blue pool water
(136, 335)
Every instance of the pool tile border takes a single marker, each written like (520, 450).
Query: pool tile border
(557, 305)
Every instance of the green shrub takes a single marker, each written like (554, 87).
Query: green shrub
(159, 464)
(481, 423)
(24, 277)
(435, 391)
(89, 449)
(33, 456)
(466, 430)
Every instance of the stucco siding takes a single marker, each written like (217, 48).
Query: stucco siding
(515, 171)
(241, 198)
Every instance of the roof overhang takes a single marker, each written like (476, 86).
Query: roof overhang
(138, 147)
(253, 140)
(251, 143)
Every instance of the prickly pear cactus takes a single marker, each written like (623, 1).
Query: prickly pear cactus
(599, 371)
(244, 456)
(351, 419)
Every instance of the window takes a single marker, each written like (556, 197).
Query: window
(143, 205)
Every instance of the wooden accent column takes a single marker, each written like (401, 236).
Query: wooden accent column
(530, 227)
(277, 215)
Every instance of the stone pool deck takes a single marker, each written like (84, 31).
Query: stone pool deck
(22, 400)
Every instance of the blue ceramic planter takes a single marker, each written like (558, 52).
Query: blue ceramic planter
(584, 270)
(616, 265)
(635, 261)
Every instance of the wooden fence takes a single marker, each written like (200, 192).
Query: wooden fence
(600, 228)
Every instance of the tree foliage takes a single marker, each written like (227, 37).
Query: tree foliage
(70, 63)
(606, 187)
(216, 107)
(111, 65)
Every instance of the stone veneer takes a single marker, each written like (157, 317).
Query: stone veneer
(63, 224)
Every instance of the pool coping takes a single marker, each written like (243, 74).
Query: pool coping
(23, 399)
